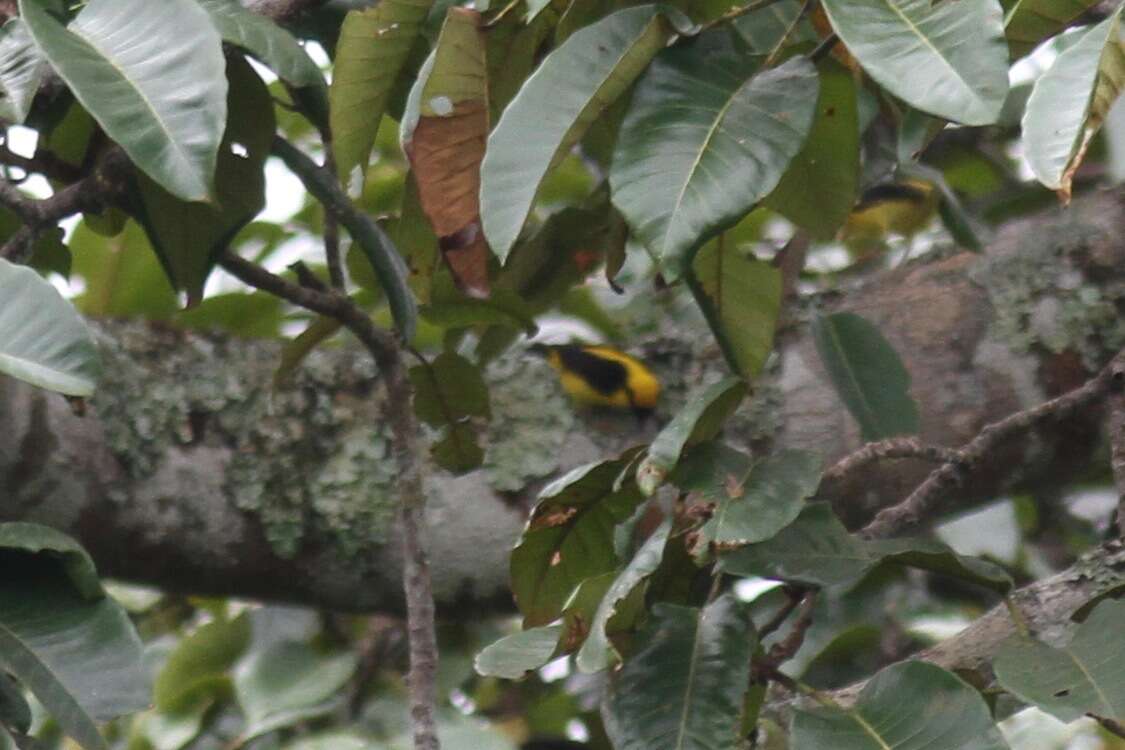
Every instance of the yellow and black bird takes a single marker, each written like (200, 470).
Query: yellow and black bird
(903, 208)
(603, 376)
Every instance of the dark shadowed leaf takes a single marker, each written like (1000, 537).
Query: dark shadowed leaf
(867, 374)
(706, 137)
(683, 689)
(555, 107)
(151, 74)
(1085, 676)
(947, 59)
(569, 537)
(818, 189)
(122, 274)
(595, 654)
(514, 655)
(42, 339)
(37, 539)
(944, 712)
(372, 50)
(189, 236)
(740, 296)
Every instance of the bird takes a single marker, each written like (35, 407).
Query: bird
(598, 375)
(903, 208)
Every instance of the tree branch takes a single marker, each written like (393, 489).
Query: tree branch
(922, 502)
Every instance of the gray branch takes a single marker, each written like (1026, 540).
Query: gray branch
(193, 473)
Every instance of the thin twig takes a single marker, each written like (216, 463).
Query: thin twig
(899, 447)
(1115, 728)
(920, 504)
(1117, 454)
(43, 162)
(502, 14)
(734, 13)
(793, 594)
(824, 48)
(780, 45)
(784, 649)
(332, 226)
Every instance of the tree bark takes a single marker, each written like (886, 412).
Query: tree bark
(193, 473)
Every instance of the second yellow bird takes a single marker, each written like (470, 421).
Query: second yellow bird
(603, 376)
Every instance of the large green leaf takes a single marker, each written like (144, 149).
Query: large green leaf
(817, 550)
(201, 663)
(683, 689)
(867, 374)
(555, 107)
(189, 237)
(80, 657)
(740, 296)
(1070, 102)
(373, 48)
(908, 706)
(38, 539)
(151, 74)
(569, 536)
(595, 654)
(288, 682)
(706, 137)
(514, 655)
(948, 59)
(21, 69)
(700, 419)
(819, 189)
(123, 276)
(1028, 22)
(42, 338)
(757, 500)
(1085, 676)
(266, 41)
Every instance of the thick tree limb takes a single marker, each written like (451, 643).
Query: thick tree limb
(194, 474)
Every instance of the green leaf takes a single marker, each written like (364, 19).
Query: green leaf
(757, 500)
(761, 29)
(555, 107)
(867, 375)
(503, 307)
(21, 70)
(253, 315)
(189, 237)
(817, 550)
(511, 56)
(569, 536)
(37, 539)
(683, 689)
(200, 664)
(448, 390)
(514, 655)
(372, 51)
(948, 59)
(151, 74)
(123, 276)
(14, 711)
(42, 339)
(1070, 102)
(287, 682)
(740, 296)
(1028, 22)
(294, 352)
(698, 421)
(943, 712)
(707, 136)
(595, 654)
(266, 41)
(81, 658)
(819, 189)
(1085, 676)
